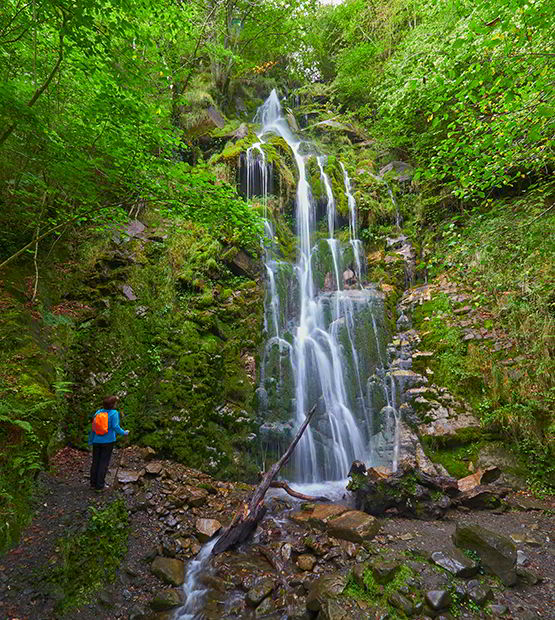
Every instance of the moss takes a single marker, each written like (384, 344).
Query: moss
(454, 459)
(378, 594)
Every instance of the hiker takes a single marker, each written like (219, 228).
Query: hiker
(103, 439)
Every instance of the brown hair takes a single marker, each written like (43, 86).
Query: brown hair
(108, 402)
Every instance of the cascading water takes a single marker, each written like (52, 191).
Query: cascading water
(321, 352)
(193, 590)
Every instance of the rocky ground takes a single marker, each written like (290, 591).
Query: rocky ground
(298, 566)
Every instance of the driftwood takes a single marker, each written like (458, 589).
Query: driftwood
(279, 484)
(245, 521)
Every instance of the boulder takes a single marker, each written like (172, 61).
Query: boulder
(480, 476)
(456, 563)
(167, 599)
(259, 592)
(384, 572)
(438, 599)
(207, 528)
(126, 476)
(497, 552)
(241, 263)
(323, 589)
(354, 525)
(318, 515)
(170, 570)
(306, 562)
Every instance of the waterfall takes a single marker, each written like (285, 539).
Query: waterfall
(318, 337)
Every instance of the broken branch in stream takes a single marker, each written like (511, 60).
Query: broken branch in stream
(279, 484)
(245, 521)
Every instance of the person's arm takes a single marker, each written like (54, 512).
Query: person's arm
(115, 425)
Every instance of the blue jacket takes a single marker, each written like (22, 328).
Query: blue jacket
(113, 429)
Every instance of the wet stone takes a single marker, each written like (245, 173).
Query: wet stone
(401, 602)
(170, 570)
(480, 595)
(306, 562)
(126, 476)
(259, 592)
(167, 599)
(497, 552)
(456, 563)
(438, 599)
(384, 572)
(207, 528)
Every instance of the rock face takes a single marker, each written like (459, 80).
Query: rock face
(497, 552)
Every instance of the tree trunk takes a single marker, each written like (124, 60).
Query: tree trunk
(245, 521)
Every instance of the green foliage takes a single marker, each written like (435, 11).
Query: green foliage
(88, 560)
(460, 87)
(378, 594)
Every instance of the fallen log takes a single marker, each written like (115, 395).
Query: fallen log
(245, 521)
(279, 484)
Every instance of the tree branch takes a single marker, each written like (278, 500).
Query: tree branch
(9, 130)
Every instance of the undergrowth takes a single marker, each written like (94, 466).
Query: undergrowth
(89, 560)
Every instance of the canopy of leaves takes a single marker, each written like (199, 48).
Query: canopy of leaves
(464, 88)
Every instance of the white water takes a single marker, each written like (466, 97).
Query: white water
(194, 591)
(317, 358)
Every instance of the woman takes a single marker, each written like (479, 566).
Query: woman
(103, 444)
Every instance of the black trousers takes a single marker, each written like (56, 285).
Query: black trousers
(100, 461)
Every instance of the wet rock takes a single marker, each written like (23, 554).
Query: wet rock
(480, 595)
(355, 526)
(456, 563)
(170, 570)
(323, 589)
(259, 592)
(154, 468)
(497, 552)
(480, 476)
(483, 497)
(306, 562)
(400, 170)
(332, 610)
(528, 575)
(196, 497)
(207, 528)
(240, 263)
(498, 610)
(438, 599)
(167, 599)
(126, 476)
(318, 515)
(401, 602)
(384, 572)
